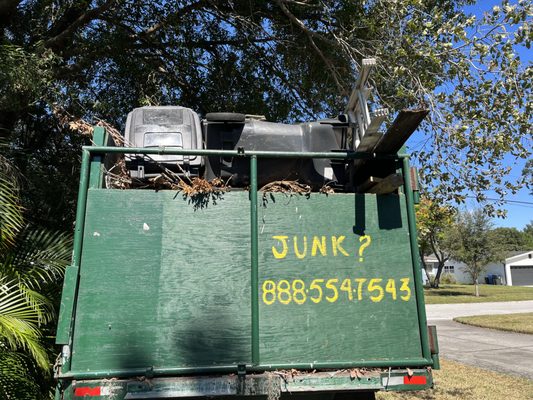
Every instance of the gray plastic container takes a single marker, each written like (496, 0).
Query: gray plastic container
(163, 126)
(269, 136)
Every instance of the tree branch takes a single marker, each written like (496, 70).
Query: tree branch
(82, 20)
(7, 10)
(154, 28)
(311, 35)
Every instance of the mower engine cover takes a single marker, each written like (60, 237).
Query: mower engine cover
(168, 126)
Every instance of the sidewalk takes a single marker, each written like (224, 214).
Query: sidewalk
(450, 311)
(506, 352)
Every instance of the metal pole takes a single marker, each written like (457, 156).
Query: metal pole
(81, 208)
(254, 260)
(417, 272)
(245, 153)
(68, 297)
(121, 373)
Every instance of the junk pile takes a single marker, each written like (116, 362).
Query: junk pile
(356, 130)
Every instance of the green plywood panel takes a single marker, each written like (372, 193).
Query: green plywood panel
(204, 303)
(166, 283)
(153, 299)
(296, 329)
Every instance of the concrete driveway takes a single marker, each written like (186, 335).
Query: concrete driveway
(510, 353)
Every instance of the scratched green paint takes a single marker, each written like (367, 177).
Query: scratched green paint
(166, 283)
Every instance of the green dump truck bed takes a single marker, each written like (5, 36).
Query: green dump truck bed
(245, 294)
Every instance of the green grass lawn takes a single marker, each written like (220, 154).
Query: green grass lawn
(465, 294)
(459, 381)
(521, 323)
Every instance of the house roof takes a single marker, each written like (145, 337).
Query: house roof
(430, 258)
(518, 255)
(513, 256)
(515, 253)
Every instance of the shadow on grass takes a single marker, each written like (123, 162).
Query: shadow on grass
(458, 393)
(432, 394)
(443, 293)
(436, 292)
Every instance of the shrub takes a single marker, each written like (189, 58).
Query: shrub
(448, 279)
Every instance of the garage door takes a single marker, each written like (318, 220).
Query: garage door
(522, 275)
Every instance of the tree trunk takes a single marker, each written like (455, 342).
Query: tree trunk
(428, 276)
(436, 281)
(440, 268)
(425, 267)
(476, 285)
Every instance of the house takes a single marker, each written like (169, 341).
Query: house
(519, 269)
(515, 270)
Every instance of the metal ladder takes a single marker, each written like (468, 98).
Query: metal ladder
(364, 125)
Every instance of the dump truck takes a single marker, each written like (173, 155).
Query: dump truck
(250, 259)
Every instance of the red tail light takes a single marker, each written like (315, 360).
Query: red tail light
(87, 391)
(414, 380)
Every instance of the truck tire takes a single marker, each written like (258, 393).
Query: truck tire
(225, 117)
(355, 396)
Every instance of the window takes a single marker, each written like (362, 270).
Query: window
(450, 269)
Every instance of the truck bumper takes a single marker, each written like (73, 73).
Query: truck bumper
(273, 385)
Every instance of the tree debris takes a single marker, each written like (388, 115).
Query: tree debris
(290, 187)
(326, 189)
(117, 177)
(200, 186)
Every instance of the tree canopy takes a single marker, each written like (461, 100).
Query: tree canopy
(435, 224)
(287, 59)
(527, 233)
(510, 240)
(472, 243)
(527, 173)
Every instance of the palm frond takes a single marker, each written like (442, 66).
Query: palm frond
(17, 376)
(11, 220)
(9, 169)
(19, 322)
(42, 305)
(37, 257)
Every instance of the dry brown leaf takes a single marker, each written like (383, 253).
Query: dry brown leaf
(114, 132)
(286, 187)
(326, 189)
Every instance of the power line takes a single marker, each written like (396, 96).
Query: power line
(529, 203)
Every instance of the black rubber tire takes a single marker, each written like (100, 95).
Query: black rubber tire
(355, 396)
(225, 117)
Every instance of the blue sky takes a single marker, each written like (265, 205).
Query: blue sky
(518, 214)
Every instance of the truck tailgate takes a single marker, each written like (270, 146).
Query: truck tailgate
(165, 284)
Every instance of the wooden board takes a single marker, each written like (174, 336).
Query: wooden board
(162, 282)
(401, 129)
(166, 283)
(369, 142)
(352, 325)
